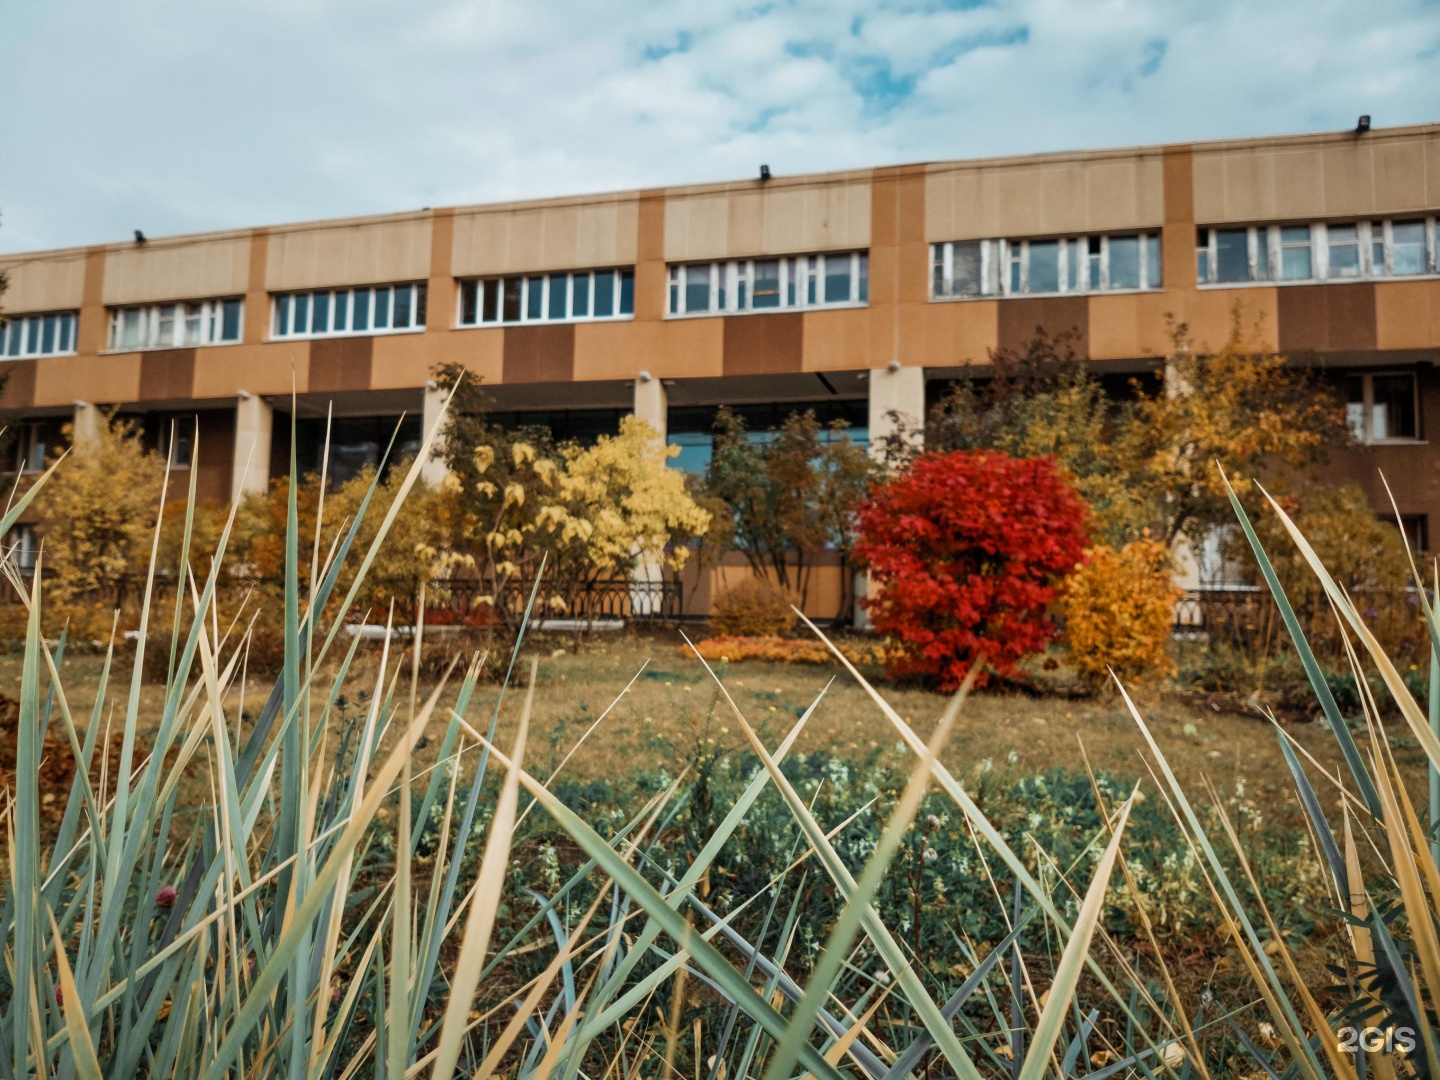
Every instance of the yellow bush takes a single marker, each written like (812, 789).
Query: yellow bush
(753, 608)
(1119, 607)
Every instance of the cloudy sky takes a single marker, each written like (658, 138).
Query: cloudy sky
(179, 115)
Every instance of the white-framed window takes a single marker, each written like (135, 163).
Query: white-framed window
(370, 309)
(569, 296)
(1120, 262)
(832, 279)
(1383, 406)
(50, 334)
(175, 326)
(1317, 251)
(176, 442)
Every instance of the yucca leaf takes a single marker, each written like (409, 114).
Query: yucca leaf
(706, 957)
(847, 926)
(1072, 960)
(1316, 677)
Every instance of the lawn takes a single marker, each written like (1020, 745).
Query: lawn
(664, 710)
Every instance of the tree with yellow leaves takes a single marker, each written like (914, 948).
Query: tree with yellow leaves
(99, 513)
(587, 513)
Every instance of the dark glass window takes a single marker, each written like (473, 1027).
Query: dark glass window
(1232, 255)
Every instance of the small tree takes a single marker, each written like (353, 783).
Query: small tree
(99, 512)
(588, 512)
(790, 495)
(966, 551)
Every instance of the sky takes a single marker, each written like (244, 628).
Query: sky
(184, 115)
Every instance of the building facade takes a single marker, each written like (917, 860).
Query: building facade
(848, 292)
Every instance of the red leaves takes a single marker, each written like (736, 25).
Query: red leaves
(966, 551)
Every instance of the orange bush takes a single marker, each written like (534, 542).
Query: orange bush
(753, 608)
(1119, 608)
(780, 650)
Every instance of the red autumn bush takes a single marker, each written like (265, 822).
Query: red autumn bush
(966, 551)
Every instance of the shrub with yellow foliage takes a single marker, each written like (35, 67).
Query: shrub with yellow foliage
(753, 608)
(1119, 607)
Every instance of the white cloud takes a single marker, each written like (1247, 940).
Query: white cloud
(171, 116)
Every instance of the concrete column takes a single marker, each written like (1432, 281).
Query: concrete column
(651, 405)
(434, 471)
(87, 426)
(897, 400)
(254, 425)
(897, 393)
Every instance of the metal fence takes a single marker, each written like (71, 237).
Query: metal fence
(469, 600)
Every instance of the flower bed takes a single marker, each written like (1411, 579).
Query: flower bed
(780, 650)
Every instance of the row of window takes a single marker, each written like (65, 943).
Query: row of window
(1316, 252)
(383, 309)
(573, 297)
(969, 268)
(959, 269)
(805, 281)
(173, 326)
(38, 335)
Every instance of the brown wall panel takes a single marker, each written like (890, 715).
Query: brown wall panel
(540, 353)
(952, 334)
(166, 374)
(672, 349)
(1177, 236)
(440, 298)
(225, 370)
(764, 344)
(1317, 318)
(650, 283)
(1211, 315)
(90, 335)
(1129, 326)
(257, 300)
(215, 456)
(1407, 316)
(408, 361)
(340, 363)
(19, 386)
(836, 340)
(1020, 318)
(102, 380)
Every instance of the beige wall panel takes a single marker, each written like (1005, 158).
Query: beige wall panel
(1128, 326)
(1210, 313)
(1349, 176)
(774, 219)
(1407, 314)
(1349, 179)
(565, 236)
(261, 369)
(349, 254)
(100, 380)
(1064, 194)
(402, 361)
(837, 340)
(162, 271)
(745, 221)
(1399, 174)
(47, 284)
(1036, 198)
(674, 349)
